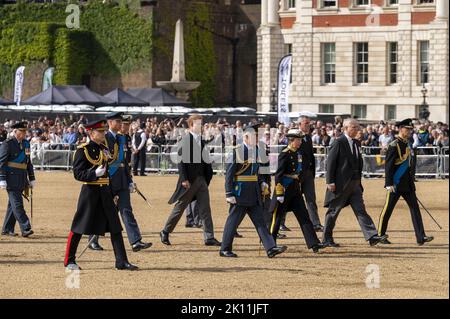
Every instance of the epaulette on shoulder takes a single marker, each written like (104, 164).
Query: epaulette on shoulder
(393, 143)
(285, 150)
(82, 145)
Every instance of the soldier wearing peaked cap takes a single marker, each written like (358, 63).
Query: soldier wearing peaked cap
(399, 182)
(244, 185)
(121, 182)
(287, 194)
(16, 176)
(96, 212)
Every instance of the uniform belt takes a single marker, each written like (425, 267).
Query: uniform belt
(293, 176)
(100, 181)
(17, 165)
(247, 178)
(118, 165)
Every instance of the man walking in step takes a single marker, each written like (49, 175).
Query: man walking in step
(195, 173)
(139, 150)
(288, 195)
(121, 182)
(343, 178)
(16, 175)
(399, 181)
(244, 185)
(96, 213)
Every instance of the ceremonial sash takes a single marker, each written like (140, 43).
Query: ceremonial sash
(114, 166)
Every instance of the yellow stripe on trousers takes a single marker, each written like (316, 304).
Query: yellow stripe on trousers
(274, 218)
(383, 212)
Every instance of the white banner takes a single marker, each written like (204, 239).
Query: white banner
(284, 83)
(18, 85)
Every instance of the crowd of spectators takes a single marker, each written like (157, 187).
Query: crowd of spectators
(66, 132)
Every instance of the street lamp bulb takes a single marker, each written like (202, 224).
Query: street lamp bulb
(424, 90)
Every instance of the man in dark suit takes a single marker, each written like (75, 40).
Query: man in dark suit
(343, 178)
(244, 185)
(195, 173)
(16, 174)
(399, 181)
(121, 182)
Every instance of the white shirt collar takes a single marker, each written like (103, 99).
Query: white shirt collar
(114, 134)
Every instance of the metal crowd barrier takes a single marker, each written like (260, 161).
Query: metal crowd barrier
(431, 161)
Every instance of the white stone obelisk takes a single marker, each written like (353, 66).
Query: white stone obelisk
(178, 69)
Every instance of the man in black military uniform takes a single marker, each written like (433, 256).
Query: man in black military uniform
(121, 182)
(287, 194)
(96, 212)
(244, 186)
(16, 175)
(399, 181)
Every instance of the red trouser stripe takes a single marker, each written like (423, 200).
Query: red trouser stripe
(69, 241)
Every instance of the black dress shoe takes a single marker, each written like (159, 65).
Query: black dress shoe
(237, 235)
(330, 244)
(164, 238)
(426, 239)
(374, 240)
(318, 228)
(212, 242)
(126, 266)
(27, 233)
(9, 233)
(143, 174)
(198, 225)
(281, 236)
(225, 253)
(95, 246)
(276, 251)
(140, 245)
(385, 242)
(284, 228)
(189, 225)
(317, 247)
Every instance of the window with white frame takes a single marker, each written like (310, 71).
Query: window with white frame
(361, 62)
(326, 108)
(425, 1)
(392, 2)
(392, 60)
(390, 112)
(290, 4)
(359, 111)
(423, 61)
(328, 3)
(361, 2)
(328, 63)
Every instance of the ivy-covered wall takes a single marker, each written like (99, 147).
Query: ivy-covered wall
(112, 40)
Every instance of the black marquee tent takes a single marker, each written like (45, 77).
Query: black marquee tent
(122, 98)
(157, 97)
(5, 102)
(68, 94)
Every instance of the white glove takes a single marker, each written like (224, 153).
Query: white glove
(3, 184)
(280, 199)
(390, 189)
(132, 187)
(264, 186)
(231, 200)
(100, 171)
(32, 183)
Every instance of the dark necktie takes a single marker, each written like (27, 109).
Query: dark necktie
(355, 150)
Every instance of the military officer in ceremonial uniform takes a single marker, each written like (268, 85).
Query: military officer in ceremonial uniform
(399, 181)
(244, 186)
(16, 176)
(121, 182)
(287, 195)
(96, 212)
(125, 131)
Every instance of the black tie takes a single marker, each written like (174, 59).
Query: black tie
(355, 150)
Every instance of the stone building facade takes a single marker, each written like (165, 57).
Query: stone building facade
(368, 58)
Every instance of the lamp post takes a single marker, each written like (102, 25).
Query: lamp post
(273, 100)
(424, 112)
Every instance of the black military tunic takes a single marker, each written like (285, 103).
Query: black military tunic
(96, 213)
(287, 185)
(399, 173)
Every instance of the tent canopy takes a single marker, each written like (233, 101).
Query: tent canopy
(157, 97)
(5, 102)
(68, 94)
(122, 98)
